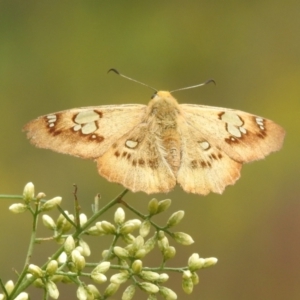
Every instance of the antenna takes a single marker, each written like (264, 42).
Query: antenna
(194, 86)
(117, 72)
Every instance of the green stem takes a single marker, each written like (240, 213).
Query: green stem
(142, 216)
(19, 284)
(3, 288)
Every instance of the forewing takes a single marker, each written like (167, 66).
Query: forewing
(84, 132)
(242, 136)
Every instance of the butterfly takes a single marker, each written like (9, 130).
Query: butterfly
(153, 147)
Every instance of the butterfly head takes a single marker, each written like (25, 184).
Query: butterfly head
(162, 95)
(162, 104)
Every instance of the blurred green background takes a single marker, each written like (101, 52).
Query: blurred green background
(54, 55)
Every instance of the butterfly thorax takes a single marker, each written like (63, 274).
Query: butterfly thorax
(164, 107)
(163, 113)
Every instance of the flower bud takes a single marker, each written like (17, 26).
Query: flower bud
(98, 277)
(128, 238)
(119, 278)
(52, 267)
(80, 250)
(149, 287)
(61, 219)
(175, 218)
(186, 274)
(69, 244)
(211, 261)
(48, 222)
(121, 252)
(160, 235)
(111, 289)
(195, 262)
(22, 296)
(106, 254)
(52, 203)
(99, 226)
(83, 293)
(183, 238)
(141, 253)
(119, 216)
(169, 252)
(9, 286)
(40, 196)
(94, 291)
(149, 275)
(137, 266)
(18, 208)
(28, 192)
(52, 289)
(57, 278)
(86, 251)
(129, 292)
(94, 231)
(145, 228)
(39, 283)
(127, 228)
(187, 285)
(138, 242)
(153, 206)
(167, 293)
(163, 277)
(195, 278)
(163, 244)
(137, 223)
(82, 219)
(35, 270)
(66, 225)
(150, 244)
(102, 267)
(62, 258)
(108, 227)
(163, 205)
(78, 260)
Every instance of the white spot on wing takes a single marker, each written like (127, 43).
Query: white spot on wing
(86, 116)
(131, 144)
(233, 130)
(51, 117)
(260, 123)
(204, 145)
(77, 127)
(232, 118)
(243, 130)
(88, 128)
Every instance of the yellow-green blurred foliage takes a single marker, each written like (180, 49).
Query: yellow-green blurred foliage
(54, 55)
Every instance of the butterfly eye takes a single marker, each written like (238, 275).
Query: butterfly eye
(153, 95)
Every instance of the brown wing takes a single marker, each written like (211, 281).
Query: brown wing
(215, 143)
(242, 136)
(85, 132)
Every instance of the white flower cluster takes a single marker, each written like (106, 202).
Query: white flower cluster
(69, 263)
